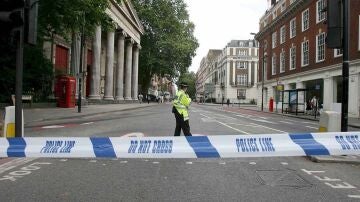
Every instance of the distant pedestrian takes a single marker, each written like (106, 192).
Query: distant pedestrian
(140, 97)
(148, 98)
(228, 102)
(222, 101)
(180, 109)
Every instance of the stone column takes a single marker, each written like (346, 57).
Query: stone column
(328, 92)
(129, 52)
(119, 89)
(250, 65)
(109, 70)
(75, 58)
(134, 85)
(95, 69)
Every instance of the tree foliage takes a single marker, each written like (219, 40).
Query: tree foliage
(168, 44)
(64, 17)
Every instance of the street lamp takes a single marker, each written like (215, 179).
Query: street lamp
(262, 73)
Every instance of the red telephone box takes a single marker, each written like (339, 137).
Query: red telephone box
(65, 91)
(271, 105)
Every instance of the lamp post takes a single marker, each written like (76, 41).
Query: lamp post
(262, 74)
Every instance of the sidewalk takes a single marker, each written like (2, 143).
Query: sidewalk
(32, 115)
(352, 122)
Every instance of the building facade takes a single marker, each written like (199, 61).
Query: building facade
(110, 58)
(294, 55)
(232, 71)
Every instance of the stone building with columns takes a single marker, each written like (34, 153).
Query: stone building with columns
(110, 59)
(293, 54)
(232, 71)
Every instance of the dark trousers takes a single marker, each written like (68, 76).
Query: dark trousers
(181, 124)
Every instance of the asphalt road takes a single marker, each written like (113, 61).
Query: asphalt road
(242, 179)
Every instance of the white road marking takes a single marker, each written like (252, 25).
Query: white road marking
(14, 163)
(252, 163)
(104, 164)
(135, 134)
(264, 121)
(92, 161)
(206, 120)
(286, 122)
(53, 127)
(269, 128)
(228, 117)
(222, 163)
(310, 123)
(284, 163)
(88, 123)
(262, 117)
(14, 175)
(189, 162)
(63, 160)
(311, 127)
(123, 161)
(241, 124)
(155, 162)
(227, 125)
(354, 196)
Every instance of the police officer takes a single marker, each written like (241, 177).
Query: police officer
(180, 108)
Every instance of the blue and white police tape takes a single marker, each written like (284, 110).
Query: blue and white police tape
(230, 146)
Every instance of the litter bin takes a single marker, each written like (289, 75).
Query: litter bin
(65, 91)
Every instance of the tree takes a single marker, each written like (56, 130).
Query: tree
(63, 18)
(190, 79)
(168, 44)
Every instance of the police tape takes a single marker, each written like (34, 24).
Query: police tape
(230, 146)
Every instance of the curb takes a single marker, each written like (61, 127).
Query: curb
(333, 159)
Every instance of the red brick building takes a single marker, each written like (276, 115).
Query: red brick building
(294, 55)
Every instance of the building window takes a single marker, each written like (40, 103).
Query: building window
(273, 66)
(338, 53)
(283, 6)
(241, 94)
(241, 65)
(242, 52)
(293, 28)
(282, 34)
(282, 61)
(320, 47)
(241, 79)
(292, 58)
(274, 40)
(305, 53)
(265, 45)
(274, 14)
(305, 20)
(320, 14)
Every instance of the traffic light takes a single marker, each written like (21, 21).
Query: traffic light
(334, 24)
(11, 15)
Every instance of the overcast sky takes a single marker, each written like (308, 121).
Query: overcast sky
(218, 22)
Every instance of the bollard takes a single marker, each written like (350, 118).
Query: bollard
(330, 121)
(9, 122)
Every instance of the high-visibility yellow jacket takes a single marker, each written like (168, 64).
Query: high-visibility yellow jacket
(181, 103)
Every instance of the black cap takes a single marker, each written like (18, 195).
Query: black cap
(183, 84)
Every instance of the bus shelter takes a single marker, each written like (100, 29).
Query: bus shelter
(294, 101)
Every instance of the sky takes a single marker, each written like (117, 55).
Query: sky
(219, 22)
